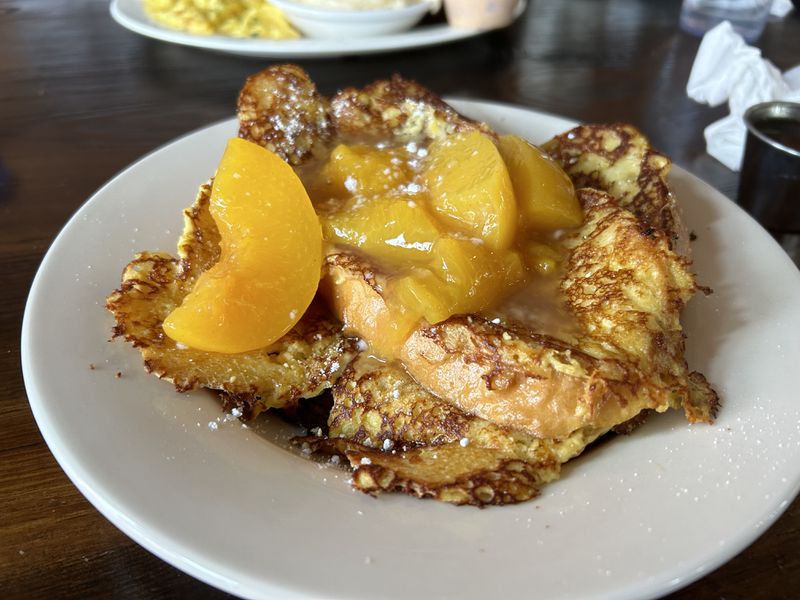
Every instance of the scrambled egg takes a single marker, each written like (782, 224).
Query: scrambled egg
(234, 18)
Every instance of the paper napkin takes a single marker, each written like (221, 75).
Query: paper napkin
(726, 68)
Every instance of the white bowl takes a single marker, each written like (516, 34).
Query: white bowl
(332, 23)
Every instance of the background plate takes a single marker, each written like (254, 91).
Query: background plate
(635, 517)
(130, 14)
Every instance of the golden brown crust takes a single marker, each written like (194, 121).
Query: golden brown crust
(398, 110)
(618, 159)
(375, 402)
(450, 473)
(528, 382)
(398, 437)
(703, 402)
(280, 109)
(625, 286)
(642, 290)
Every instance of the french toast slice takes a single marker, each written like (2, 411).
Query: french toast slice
(300, 365)
(623, 355)
(396, 110)
(280, 109)
(399, 437)
(618, 159)
(621, 361)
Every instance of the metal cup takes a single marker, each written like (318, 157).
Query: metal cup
(769, 186)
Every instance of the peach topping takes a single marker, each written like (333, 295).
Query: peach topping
(457, 226)
(271, 256)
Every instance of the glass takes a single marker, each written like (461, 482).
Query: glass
(748, 17)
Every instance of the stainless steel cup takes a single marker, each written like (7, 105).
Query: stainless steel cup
(769, 186)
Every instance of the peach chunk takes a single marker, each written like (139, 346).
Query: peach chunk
(471, 189)
(545, 195)
(270, 261)
(361, 170)
(395, 230)
(461, 278)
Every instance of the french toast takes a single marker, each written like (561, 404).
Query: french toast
(618, 159)
(302, 364)
(477, 408)
(623, 354)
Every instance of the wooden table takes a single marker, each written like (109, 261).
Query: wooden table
(81, 98)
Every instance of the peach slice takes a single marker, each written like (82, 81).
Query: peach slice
(460, 278)
(270, 261)
(471, 189)
(544, 192)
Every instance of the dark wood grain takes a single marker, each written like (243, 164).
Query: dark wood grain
(80, 98)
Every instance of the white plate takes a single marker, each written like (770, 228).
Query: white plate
(130, 14)
(637, 517)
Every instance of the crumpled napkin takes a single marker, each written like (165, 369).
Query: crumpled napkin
(781, 8)
(727, 68)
